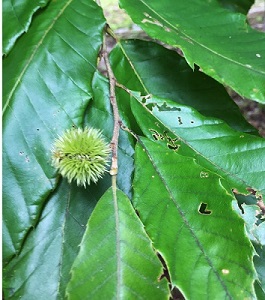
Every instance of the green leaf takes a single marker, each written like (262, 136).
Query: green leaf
(259, 260)
(189, 217)
(53, 245)
(41, 269)
(116, 259)
(256, 234)
(219, 41)
(61, 224)
(151, 69)
(259, 291)
(242, 6)
(17, 18)
(232, 155)
(47, 77)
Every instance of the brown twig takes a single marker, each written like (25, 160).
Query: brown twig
(117, 121)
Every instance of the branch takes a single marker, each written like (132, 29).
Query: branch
(117, 121)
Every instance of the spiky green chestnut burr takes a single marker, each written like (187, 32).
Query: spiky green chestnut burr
(81, 155)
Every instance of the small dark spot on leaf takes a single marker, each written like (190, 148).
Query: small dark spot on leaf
(192, 122)
(156, 135)
(203, 209)
(38, 129)
(21, 152)
(173, 147)
(180, 121)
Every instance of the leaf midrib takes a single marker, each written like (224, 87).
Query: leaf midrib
(118, 236)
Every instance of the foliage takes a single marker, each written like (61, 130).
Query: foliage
(174, 222)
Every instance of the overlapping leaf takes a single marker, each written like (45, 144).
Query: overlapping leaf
(51, 248)
(259, 260)
(116, 259)
(151, 69)
(188, 216)
(228, 152)
(47, 87)
(17, 18)
(41, 270)
(256, 233)
(48, 78)
(232, 155)
(217, 40)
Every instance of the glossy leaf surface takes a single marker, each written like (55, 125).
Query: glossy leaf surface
(51, 84)
(41, 270)
(116, 259)
(44, 93)
(17, 18)
(67, 216)
(217, 40)
(151, 69)
(183, 207)
(228, 153)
